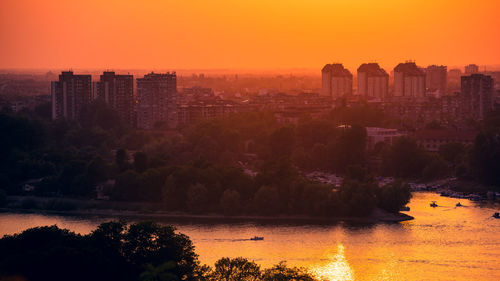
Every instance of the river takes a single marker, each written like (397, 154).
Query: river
(442, 243)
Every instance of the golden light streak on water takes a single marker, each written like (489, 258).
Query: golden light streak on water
(443, 243)
(337, 269)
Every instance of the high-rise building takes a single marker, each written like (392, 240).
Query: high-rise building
(471, 69)
(435, 78)
(477, 94)
(118, 92)
(336, 81)
(454, 74)
(70, 94)
(409, 81)
(454, 79)
(157, 101)
(373, 81)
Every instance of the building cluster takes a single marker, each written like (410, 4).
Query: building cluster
(414, 95)
(154, 104)
(157, 103)
(118, 92)
(418, 97)
(198, 103)
(418, 94)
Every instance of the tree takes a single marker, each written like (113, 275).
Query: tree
(97, 170)
(197, 198)
(121, 159)
(405, 159)
(435, 168)
(237, 269)
(3, 197)
(230, 202)
(127, 186)
(173, 197)
(452, 152)
(114, 251)
(281, 272)
(281, 142)
(150, 243)
(358, 192)
(350, 148)
(99, 114)
(267, 200)
(159, 273)
(320, 157)
(484, 158)
(57, 254)
(392, 197)
(140, 161)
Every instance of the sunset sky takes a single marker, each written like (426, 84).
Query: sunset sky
(257, 34)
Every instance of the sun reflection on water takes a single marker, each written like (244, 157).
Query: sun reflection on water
(337, 268)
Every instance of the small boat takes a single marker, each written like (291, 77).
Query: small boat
(496, 215)
(433, 204)
(459, 205)
(257, 238)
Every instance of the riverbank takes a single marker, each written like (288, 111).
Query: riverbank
(152, 211)
(452, 187)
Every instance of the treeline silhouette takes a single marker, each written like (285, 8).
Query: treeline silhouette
(143, 251)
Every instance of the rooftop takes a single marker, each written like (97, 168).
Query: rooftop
(337, 69)
(409, 68)
(372, 69)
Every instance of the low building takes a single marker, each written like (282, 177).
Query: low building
(192, 112)
(375, 135)
(431, 140)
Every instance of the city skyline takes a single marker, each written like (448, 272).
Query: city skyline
(223, 140)
(256, 35)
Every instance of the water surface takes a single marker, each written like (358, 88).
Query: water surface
(443, 243)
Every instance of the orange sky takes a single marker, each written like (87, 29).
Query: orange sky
(253, 34)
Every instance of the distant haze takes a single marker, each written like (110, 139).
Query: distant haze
(258, 34)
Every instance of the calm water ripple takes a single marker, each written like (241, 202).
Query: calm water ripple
(443, 243)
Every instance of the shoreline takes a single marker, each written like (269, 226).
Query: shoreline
(377, 216)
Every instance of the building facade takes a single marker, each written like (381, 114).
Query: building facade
(409, 81)
(432, 140)
(157, 101)
(118, 92)
(436, 78)
(375, 135)
(471, 69)
(70, 94)
(477, 92)
(336, 81)
(373, 81)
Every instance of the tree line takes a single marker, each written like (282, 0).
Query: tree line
(143, 251)
(200, 168)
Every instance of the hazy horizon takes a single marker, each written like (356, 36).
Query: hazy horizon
(245, 35)
(212, 71)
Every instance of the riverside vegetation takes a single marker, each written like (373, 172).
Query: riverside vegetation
(198, 169)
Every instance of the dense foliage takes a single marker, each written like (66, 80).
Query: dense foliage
(210, 166)
(116, 251)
